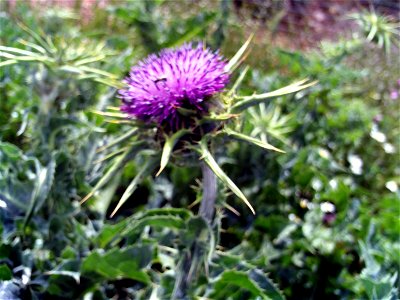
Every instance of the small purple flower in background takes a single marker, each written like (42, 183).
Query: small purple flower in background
(394, 94)
(378, 118)
(186, 77)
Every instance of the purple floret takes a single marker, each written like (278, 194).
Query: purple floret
(175, 78)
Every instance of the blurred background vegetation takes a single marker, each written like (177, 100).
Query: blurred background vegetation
(327, 223)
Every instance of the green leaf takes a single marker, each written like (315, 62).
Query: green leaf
(155, 221)
(235, 60)
(110, 82)
(119, 140)
(89, 60)
(110, 232)
(32, 45)
(5, 272)
(98, 72)
(177, 212)
(251, 140)
(111, 155)
(186, 112)
(169, 145)
(219, 117)
(269, 287)
(239, 279)
(146, 169)
(8, 62)
(42, 189)
(74, 275)
(247, 101)
(210, 161)
(17, 50)
(160, 217)
(120, 263)
(49, 47)
(115, 168)
(238, 81)
(71, 69)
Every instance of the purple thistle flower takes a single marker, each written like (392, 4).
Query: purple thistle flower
(176, 78)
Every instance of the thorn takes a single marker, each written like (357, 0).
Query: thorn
(86, 198)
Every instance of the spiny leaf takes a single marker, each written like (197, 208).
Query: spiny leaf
(89, 60)
(118, 140)
(240, 279)
(110, 82)
(247, 101)
(17, 50)
(251, 140)
(33, 57)
(98, 71)
(159, 217)
(43, 43)
(8, 62)
(116, 167)
(235, 60)
(179, 212)
(210, 161)
(238, 81)
(146, 169)
(71, 69)
(113, 108)
(156, 221)
(169, 145)
(119, 263)
(110, 114)
(186, 112)
(109, 156)
(221, 117)
(42, 189)
(32, 45)
(270, 289)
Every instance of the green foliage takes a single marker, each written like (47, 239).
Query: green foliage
(377, 28)
(326, 223)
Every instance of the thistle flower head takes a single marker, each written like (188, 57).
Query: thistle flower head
(183, 78)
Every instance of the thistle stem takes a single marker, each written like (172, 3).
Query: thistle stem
(191, 263)
(207, 206)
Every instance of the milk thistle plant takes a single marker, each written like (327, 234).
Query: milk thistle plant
(179, 105)
(177, 101)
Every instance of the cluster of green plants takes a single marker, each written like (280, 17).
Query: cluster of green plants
(327, 210)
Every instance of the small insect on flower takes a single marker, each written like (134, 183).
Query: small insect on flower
(161, 86)
(163, 79)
